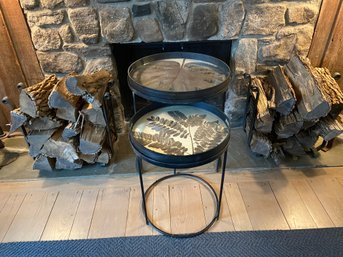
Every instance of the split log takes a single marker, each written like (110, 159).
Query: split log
(292, 146)
(107, 152)
(36, 139)
(62, 164)
(18, 118)
(313, 102)
(71, 130)
(277, 154)
(309, 124)
(118, 109)
(331, 89)
(56, 147)
(44, 163)
(260, 144)
(92, 138)
(89, 158)
(264, 119)
(289, 125)
(284, 94)
(94, 115)
(44, 123)
(104, 157)
(307, 138)
(328, 128)
(34, 99)
(68, 115)
(61, 98)
(90, 87)
(251, 114)
(269, 92)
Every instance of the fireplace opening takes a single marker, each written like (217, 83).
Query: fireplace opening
(126, 54)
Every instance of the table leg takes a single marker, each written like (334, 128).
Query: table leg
(222, 183)
(139, 170)
(134, 103)
(219, 163)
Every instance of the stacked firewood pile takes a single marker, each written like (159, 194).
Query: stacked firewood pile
(291, 108)
(68, 122)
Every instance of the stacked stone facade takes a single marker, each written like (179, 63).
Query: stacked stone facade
(75, 35)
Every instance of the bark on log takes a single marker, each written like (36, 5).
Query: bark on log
(251, 114)
(94, 115)
(34, 99)
(260, 144)
(292, 146)
(264, 119)
(56, 147)
(277, 154)
(331, 89)
(307, 138)
(18, 118)
(118, 109)
(62, 164)
(328, 128)
(309, 124)
(92, 138)
(44, 163)
(36, 139)
(289, 125)
(44, 123)
(284, 94)
(313, 102)
(61, 98)
(90, 87)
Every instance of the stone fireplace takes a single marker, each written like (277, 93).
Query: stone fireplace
(76, 35)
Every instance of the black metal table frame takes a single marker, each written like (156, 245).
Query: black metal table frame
(177, 162)
(180, 162)
(145, 194)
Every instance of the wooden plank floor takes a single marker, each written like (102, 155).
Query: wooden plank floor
(109, 206)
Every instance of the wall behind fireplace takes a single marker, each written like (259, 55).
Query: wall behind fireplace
(74, 35)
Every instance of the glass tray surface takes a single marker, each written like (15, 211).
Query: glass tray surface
(178, 77)
(180, 130)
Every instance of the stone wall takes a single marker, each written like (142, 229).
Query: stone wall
(74, 35)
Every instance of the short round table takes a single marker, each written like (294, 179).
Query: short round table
(180, 136)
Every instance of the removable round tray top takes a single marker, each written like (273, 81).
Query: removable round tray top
(180, 130)
(178, 77)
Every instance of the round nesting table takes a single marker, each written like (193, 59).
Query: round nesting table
(178, 131)
(180, 136)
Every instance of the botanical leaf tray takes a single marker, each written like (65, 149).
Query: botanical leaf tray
(180, 130)
(178, 77)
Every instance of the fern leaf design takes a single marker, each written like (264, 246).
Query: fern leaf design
(179, 117)
(208, 136)
(167, 126)
(161, 142)
(196, 120)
